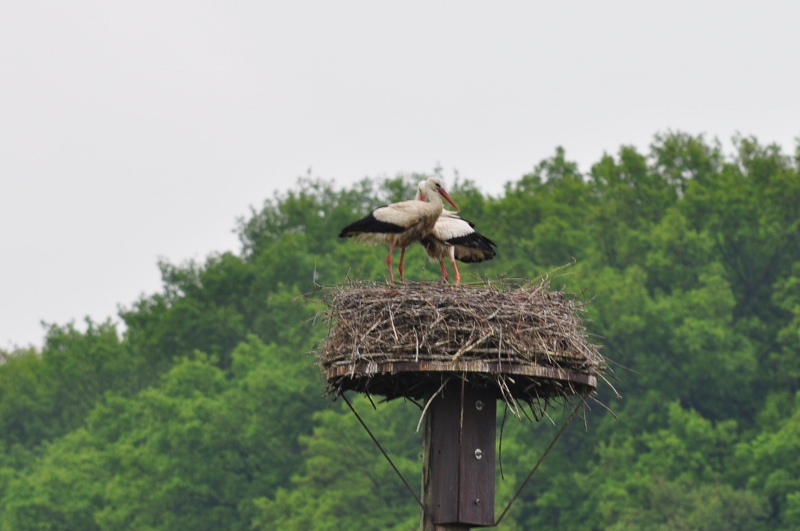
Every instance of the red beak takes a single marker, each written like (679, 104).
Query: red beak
(447, 196)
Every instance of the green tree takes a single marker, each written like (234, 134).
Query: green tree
(207, 413)
(770, 462)
(345, 480)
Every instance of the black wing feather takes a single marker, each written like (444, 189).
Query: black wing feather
(476, 241)
(369, 224)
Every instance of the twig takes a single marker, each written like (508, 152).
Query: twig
(422, 416)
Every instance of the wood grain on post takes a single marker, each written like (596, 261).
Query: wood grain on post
(458, 460)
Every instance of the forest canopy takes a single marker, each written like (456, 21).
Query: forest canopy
(206, 412)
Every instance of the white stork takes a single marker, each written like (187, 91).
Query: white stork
(400, 224)
(454, 237)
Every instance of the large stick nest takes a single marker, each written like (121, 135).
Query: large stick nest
(527, 341)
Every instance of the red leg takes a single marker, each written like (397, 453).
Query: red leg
(455, 267)
(400, 267)
(444, 271)
(389, 262)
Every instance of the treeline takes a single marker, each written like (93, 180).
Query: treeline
(206, 413)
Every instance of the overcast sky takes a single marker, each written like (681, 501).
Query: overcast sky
(131, 131)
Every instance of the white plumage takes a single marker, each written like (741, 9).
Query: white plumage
(455, 238)
(400, 224)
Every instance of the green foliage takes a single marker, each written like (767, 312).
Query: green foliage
(671, 478)
(784, 363)
(207, 413)
(345, 478)
(60, 491)
(191, 452)
(770, 463)
(45, 395)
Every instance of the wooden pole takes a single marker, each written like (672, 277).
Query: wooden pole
(458, 459)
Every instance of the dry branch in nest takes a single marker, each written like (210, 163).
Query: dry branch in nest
(526, 341)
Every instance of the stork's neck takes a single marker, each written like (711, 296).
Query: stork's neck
(435, 201)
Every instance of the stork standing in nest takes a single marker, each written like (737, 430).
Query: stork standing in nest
(454, 237)
(400, 224)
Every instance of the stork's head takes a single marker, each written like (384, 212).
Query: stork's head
(434, 185)
(422, 191)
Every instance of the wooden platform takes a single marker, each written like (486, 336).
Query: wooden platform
(418, 379)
